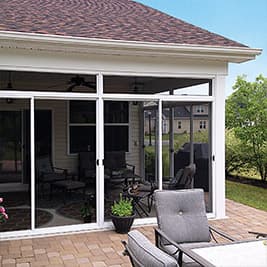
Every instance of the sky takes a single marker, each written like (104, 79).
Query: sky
(244, 21)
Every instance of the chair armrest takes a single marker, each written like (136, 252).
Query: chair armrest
(258, 234)
(159, 234)
(60, 169)
(223, 234)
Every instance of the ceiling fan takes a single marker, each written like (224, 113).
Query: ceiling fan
(80, 81)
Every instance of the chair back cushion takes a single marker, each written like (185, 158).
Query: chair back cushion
(181, 215)
(86, 163)
(115, 160)
(174, 180)
(144, 254)
(187, 178)
(43, 164)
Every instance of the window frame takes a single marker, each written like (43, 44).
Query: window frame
(202, 124)
(74, 124)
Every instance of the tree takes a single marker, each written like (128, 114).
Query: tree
(246, 114)
(234, 154)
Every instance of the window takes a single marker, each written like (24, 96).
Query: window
(179, 124)
(200, 109)
(202, 125)
(82, 126)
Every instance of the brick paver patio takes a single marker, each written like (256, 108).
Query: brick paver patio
(100, 249)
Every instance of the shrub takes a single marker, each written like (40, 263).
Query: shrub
(122, 208)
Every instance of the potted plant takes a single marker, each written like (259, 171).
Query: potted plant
(86, 212)
(122, 215)
(3, 214)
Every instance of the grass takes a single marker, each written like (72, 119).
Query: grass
(249, 195)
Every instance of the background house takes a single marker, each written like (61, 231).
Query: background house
(181, 120)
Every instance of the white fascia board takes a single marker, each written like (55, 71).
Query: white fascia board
(47, 42)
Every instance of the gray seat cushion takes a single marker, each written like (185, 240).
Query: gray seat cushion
(144, 252)
(182, 216)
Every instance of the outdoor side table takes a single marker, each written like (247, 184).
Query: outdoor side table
(137, 197)
(252, 253)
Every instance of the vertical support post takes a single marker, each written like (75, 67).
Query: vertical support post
(171, 142)
(191, 135)
(32, 145)
(149, 127)
(142, 139)
(218, 138)
(156, 150)
(171, 139)
(160, 145)
(100, 191)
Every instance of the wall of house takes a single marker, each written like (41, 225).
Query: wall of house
(59, 109)
(185, 125)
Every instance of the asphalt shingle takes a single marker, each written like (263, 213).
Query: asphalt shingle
(103, 19)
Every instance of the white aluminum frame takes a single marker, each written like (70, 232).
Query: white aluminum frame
(100, 97)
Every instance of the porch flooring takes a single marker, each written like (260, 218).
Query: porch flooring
(100, 249)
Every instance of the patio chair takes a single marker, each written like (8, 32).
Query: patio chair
(47, 173)
(118, 169)
(56, 178)
(182, 220)
(143, 253)
(184, 179)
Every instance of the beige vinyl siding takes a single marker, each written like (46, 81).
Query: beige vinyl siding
(133, 156)
(60, 155)
(60, 130)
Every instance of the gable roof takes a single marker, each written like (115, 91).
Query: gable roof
(104, 19)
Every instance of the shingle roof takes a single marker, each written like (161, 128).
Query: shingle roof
(103, 19)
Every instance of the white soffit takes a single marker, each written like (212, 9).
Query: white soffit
(32, 41)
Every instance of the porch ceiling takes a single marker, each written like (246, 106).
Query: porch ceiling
(34, 81)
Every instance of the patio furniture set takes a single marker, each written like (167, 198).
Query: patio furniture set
(119, 175)
(184, 238)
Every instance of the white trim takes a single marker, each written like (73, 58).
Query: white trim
(47, 95)
(160, 169)
(129, 124)
(49, 42)
(147, 97)
(100, 185)
(219, 146)
(32, 145)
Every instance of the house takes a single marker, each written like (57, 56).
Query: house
(76, 77)
(181, 120)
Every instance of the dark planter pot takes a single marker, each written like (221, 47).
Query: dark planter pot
(122, 224)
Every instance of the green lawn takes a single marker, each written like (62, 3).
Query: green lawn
(247, 194)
